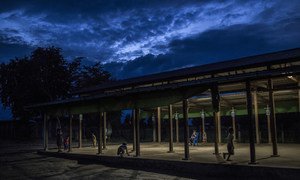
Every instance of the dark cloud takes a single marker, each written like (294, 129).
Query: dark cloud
(159, 35)
(215, 45)
(115, 30)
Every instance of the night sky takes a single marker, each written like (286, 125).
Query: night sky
(133, 38)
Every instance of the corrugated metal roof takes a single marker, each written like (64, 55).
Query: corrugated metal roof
(246, 62)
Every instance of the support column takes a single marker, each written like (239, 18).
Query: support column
(171, 129)
(158, 124)
(100, 133)
(154, 127)
(250, 117)
(104, 130)
(233, 123)
(177, 127)
(268, 124)
(186, 130)
(134, 129)
(219, 127)
(256, 117)
(45, 132)
(216, 109)
(137, 139)
(80, 131)
(203, 121)
(70, 132)
(272, 118)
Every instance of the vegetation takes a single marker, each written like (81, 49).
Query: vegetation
(44, 76)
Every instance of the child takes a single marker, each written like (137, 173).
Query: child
(230, 147)
(122, 150)
(196, 139)
(66, 143)
(94, 139)
(193, 136)
(204, 138)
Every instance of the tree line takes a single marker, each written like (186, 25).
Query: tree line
(45, 76)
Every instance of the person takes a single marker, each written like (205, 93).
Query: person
(196, 139)
(204, 137)
(59, 139)
(94, 140)
(230, 146)
(66, 143)
(193, 136)
(122, 150)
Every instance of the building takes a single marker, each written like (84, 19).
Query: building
(246, 86)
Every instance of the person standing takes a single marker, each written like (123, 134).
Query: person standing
(59, 139)
(230, 146)
(94, 140)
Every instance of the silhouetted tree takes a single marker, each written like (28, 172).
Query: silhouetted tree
(42, 77)
(92, 75)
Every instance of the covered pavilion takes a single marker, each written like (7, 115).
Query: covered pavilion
(261, 84)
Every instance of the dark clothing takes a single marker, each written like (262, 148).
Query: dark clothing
(230, 147)
(122, 150)
(59, 139)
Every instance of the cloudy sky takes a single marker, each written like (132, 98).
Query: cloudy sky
(133, 38)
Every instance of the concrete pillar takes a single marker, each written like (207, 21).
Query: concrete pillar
(177, 127)
(154, 127)
(171, 129)
(186, 130)
(215, 96)
(100, 133)
(49, 129)
(219, 127)
(80, 131)
(233, 123)
(256, 117)
(203, 121)
(158, 115)
(104, 130)
(268, 124)
(250, 117)
(70, 132)
(134, 129)
(45, 132)
(137, 139)
(272, 118)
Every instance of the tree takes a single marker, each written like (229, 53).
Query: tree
(92, 76)
(44, 76)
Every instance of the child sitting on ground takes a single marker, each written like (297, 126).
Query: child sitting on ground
(122, 150)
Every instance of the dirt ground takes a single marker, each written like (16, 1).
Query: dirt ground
(20, 161)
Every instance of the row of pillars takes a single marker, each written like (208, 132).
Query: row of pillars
(157, 123)
(216, 106)
(102, 132)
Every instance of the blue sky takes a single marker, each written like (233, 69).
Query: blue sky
(133, 38)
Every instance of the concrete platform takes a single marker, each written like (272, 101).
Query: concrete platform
(155, 156)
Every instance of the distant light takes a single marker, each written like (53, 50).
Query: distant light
(232, 112)
(268, 111)
(176, 116)
(202, 114)
(290, 77)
